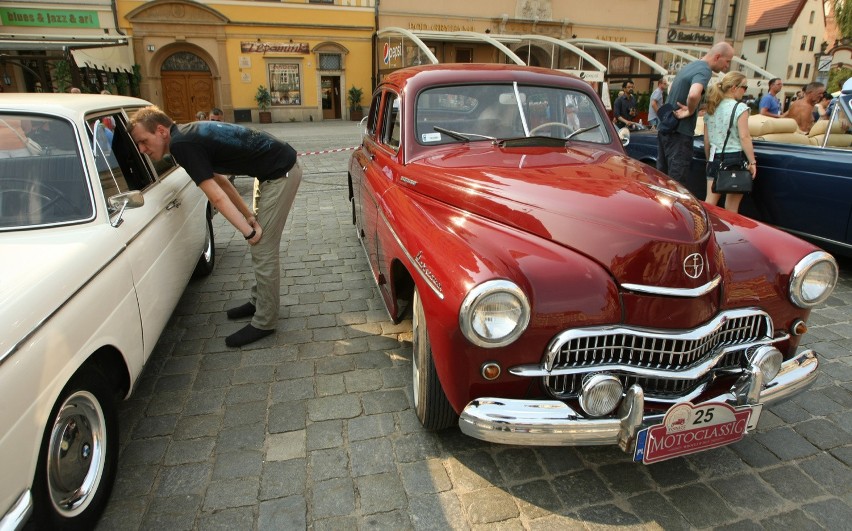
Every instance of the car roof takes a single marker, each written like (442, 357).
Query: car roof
(428, 75)
(64, 104)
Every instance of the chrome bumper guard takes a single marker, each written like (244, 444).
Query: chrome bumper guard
(553, 423)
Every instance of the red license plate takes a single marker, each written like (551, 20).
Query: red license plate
(687, 429)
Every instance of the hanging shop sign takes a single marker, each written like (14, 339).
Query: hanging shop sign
(53, 18)
(274, 47)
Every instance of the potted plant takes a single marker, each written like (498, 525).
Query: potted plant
(354, 98)
(264, 100)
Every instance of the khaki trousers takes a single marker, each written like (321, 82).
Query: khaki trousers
(272, 202)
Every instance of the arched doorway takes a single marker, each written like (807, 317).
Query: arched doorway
(187, 86)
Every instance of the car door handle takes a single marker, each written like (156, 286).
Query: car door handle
(174, 203)
(371, 158)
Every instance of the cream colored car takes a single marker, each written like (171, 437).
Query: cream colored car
(97, 244)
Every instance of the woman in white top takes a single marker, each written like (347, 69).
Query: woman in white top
(723, 98)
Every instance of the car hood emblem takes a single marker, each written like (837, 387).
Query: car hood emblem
(693, 265)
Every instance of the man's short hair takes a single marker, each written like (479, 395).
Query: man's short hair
(149, 118)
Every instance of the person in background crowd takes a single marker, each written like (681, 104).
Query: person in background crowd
(802, 110)
(624, 109)
(821, 108)
(75, 90)
(571, 118)
(200, 116)
(769, 103)
(106, 92)
(13, 139)
(208, 150)
(674, 149)
(723, 100)
(657, 98)
(216, 115)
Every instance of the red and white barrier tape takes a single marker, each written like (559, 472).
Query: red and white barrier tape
(327, 151)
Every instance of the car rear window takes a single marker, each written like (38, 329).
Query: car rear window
(42, 177)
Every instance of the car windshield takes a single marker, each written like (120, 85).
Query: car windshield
(42, 180)
(502, 112)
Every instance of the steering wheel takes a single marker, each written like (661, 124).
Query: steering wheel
(548, 124)
(40, 191)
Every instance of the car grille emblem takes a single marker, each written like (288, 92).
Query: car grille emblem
(693, 265)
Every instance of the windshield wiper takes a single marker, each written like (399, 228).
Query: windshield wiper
(535, 140)
(464, 137)
(580, 131)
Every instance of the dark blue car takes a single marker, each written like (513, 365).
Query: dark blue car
(804, 181)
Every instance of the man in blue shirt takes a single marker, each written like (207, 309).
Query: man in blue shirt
(769, 104)
(674, 148)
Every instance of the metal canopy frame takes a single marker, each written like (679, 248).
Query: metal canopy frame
(577, 46)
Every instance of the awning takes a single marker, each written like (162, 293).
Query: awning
(21, 42)
(109, 58)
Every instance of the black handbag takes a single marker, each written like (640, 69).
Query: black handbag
(731, 178)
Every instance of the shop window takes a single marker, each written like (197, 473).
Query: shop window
(285, 82)
(692, 13)
(464, 55)
(330, 61)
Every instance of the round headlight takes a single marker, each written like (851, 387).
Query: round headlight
(494, 313)
(600, 394)
(768, 360)
(813, 279)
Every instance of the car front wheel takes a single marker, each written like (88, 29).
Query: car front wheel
(430, 403)
(78, 457)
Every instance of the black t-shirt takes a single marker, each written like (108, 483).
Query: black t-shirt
(205, 148)
(622, 107)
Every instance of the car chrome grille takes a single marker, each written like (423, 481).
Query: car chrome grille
(654, 350)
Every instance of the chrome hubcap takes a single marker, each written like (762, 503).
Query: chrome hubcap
(75, 457)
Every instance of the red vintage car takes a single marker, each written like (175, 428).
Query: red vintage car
(562, 293)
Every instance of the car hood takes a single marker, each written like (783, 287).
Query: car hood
(631, 219)
(41, 269)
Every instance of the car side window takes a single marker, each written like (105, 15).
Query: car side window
(391, 126)
(119, 163)
(374, 114)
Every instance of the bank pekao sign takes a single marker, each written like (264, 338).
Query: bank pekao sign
(693, 37)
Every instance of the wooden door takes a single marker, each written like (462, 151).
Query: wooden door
(331, 98)
(186, 93)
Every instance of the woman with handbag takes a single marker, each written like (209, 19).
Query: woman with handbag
(727, 144)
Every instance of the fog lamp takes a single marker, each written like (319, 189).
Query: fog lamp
(768, 360)
(600, 394)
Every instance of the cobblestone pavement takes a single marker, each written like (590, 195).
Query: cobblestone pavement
(313, 427)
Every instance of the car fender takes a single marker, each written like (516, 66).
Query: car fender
(33, 376)
(448, 252)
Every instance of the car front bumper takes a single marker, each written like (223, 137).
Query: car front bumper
(553, 423)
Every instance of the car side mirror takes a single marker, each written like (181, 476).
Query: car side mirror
(121, 202)
(624, 135)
